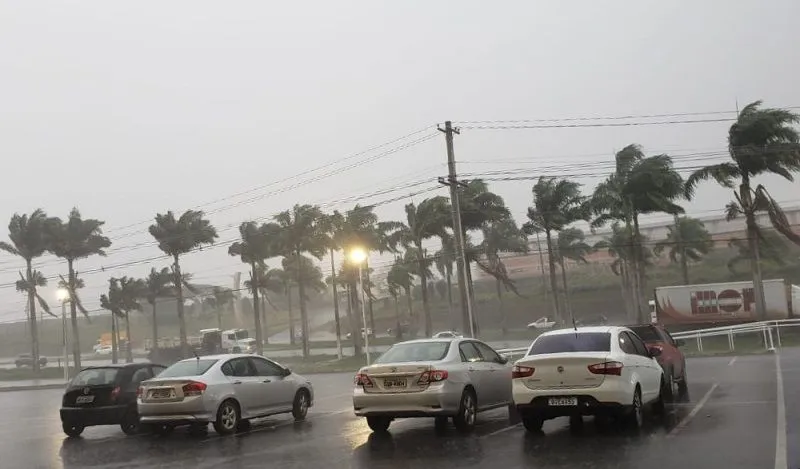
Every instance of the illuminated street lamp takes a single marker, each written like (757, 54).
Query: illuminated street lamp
(358, 256)
(63, 297)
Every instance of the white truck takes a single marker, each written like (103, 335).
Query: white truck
(232, 340)
(720, 302)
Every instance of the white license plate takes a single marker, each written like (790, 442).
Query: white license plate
(562, 401)
(394, 383)
(84, 399)
(162, 393)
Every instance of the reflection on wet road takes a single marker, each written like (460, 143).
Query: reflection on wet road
(738, 406)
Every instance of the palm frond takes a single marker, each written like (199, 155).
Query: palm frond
(723, 173)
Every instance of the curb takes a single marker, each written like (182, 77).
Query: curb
(31, 388)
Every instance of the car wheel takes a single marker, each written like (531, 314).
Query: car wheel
(379, 424)
(71, 430)
(300, 407)
(532, 423)
(575, 424)
(635, 416)
(513, 415)
(227, 418)
(130, 423)
(440, 423)
(467, 414)
(668, 393)
(683, 387)
(660, 405)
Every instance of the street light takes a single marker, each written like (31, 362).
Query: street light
(358, 256)
(63, 297)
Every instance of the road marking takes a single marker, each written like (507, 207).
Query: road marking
(780, 437)
(502, 430)
(733, 360)
(694, 412)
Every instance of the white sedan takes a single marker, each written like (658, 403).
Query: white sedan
(601, 371)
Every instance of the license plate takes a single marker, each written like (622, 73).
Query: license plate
(562, 401)
(84, 399)
(394, 383)
(162, 393)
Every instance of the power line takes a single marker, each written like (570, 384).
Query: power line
(604, 124)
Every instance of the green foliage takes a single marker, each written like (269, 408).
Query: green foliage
(689, 238)
(76, 238)
(571, 245)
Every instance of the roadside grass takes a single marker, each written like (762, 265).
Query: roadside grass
(24, 374)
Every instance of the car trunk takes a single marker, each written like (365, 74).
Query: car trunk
(396, 377)
(164, 390)
(90, 396)
(563, 370)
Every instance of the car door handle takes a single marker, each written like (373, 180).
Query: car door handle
(267, 381)
(237, 382)
(471, 369)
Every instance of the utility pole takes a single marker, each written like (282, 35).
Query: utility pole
(467, 317)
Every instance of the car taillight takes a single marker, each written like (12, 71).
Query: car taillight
(522, 371)
(432, 376)
(115, 393)
(362, 379)
(606, 368)
(194, 388)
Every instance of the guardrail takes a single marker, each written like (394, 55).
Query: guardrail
(770, 331)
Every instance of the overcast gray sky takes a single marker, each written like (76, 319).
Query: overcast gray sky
(128, 108)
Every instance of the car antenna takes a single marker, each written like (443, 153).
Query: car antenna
(575, 326)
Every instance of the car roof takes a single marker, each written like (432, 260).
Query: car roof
(121, 365)
(220, 356)
(585, 329)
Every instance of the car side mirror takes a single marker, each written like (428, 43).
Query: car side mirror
(286, 372)
(655, 352)
(502, 360)
(680, 342)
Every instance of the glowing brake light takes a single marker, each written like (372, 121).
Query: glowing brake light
(362, 379)
(606, 368)
(194, 388)
(432, 376)
(522, 371)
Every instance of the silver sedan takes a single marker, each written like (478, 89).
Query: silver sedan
(441, 378)
(224, 390)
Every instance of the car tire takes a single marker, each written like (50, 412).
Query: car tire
(302, 400)
(660, 404)
(379, 424)
(467, 414)
(228, 416)
(513, 415)
(668, 393)
(130, 423)
(635, 417)
(532, 423)
(683, 387)
(72, 431)
(575, 424)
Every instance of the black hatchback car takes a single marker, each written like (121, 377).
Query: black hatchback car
(105, 395)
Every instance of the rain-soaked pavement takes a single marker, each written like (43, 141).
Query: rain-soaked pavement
(729, 422)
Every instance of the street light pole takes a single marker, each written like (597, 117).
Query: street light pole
(64, 339)
(363, 309)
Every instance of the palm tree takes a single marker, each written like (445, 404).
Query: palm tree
(335, 224)
(761, 141)
(288, 283)
(73, 240)
(570, 245)
(122, 298)
(219, 301)
(269, 281)
(687, 240)
(502, 236)
(556, 204)
(772, 248)
(444, 260)
(424, 221)
(28, 236)
(400, 278)
(258, 243)
(639, 185)
(303, 229)
(177, 237)
(158, 284)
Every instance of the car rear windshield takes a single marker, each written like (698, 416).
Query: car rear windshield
(415, 352)
(188, 368)
(647, 333)
(578, 342)
(95, 377)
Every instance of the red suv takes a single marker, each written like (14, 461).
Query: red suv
(671, 358)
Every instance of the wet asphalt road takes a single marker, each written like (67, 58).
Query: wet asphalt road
(729, 422)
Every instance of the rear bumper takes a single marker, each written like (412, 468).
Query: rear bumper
(437, 400)
(91, 416)
(587, 405)
(189, 410)
(613, 395)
